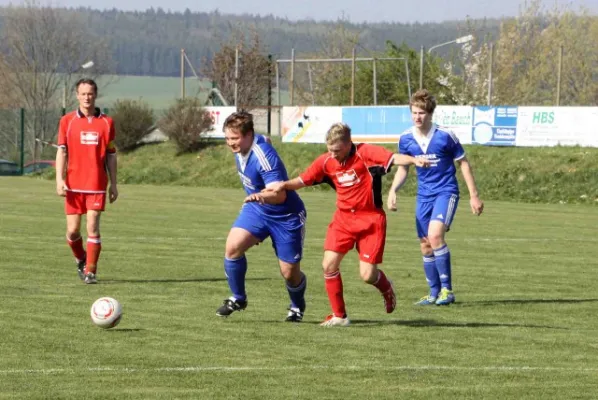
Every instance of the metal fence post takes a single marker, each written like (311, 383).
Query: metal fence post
(22, 141)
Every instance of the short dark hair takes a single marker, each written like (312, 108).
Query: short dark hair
(241, 120)
(87, 81)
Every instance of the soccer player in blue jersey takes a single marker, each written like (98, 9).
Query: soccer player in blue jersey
(280, 216)
(437, 192)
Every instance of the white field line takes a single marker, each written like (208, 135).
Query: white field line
(207, 369)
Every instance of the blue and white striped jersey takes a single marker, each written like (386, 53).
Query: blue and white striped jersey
(442, 148)
(262, 166)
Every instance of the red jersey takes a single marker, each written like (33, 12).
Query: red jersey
(357, 180)
(87, 140)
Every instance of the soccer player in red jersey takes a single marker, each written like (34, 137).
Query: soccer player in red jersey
(86, 157)
(355, 171)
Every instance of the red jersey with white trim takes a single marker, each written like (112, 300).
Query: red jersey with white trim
(357, 180)
(88, 141)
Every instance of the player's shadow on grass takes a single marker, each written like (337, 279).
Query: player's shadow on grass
(117, 281)
(426, 323)
(123, 330)
(525, 301)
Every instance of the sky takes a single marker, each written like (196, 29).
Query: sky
(355, 10)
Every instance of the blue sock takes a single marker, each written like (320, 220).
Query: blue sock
(297, 294)
(432, 275)
(235, 274)
(443, 264)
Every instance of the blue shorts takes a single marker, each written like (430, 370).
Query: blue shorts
(286, 231)
(442, 208)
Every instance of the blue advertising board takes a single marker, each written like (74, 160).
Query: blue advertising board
(495, 126)
(377, 123)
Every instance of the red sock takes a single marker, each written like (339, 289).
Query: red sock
(334, 288)
(94, 246)
(382, 282)
(77, 247)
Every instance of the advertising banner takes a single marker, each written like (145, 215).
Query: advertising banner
(377, 124)
(219, 115)
(554, 126)
(457, 119)
(308, 124)
(494, 126)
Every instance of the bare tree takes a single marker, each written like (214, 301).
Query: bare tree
(44, 49)
(253, 66)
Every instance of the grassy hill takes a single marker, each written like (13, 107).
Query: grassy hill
(534, 175)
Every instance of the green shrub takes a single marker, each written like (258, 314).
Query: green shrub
(185, 123)
(133, 119)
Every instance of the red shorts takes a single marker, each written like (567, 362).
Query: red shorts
(365, 230)
(80, 203)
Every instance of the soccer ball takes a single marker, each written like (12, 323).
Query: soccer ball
(106, 312)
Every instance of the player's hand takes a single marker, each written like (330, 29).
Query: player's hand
(422, 162)
(254, 198)
(477, 205)
(112, 193)
(392, 201)
(60, 188)
(275, 187)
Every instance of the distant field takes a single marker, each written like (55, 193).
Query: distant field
(158, 92)
(524, 325)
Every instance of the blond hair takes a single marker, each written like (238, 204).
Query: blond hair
(424, 100)
(338, 132)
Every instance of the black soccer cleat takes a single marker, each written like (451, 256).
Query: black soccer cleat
(231, 305)
(294, 315)
(81, 268)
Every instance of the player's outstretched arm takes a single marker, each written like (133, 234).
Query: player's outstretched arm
(267, 197)
(60, 169)
(403, 159)
(397, 182)
(477, 205)
(293, 184)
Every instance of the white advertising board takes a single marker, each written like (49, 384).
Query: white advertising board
(554, 126)
(456, 118)
(219, 115)
(308, 124)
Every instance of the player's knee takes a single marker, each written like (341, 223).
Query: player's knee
(436, 240)
(233, 252)
(426, 248)
(369, 275)
(329, 267)
(291, 273)
(73, 233)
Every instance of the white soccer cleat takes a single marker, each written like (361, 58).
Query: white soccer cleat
(333, 320)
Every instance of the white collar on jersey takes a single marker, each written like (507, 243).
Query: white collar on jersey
(424, 140)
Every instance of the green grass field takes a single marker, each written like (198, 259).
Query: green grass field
(524, 325)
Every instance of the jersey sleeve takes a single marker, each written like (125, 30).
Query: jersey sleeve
(403, 147)
(314, 174)
(455, 147)
(62, 127)
(271, 167)
(111, 137)
(376, 156)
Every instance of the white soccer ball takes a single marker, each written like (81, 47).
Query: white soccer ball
(106, 312)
